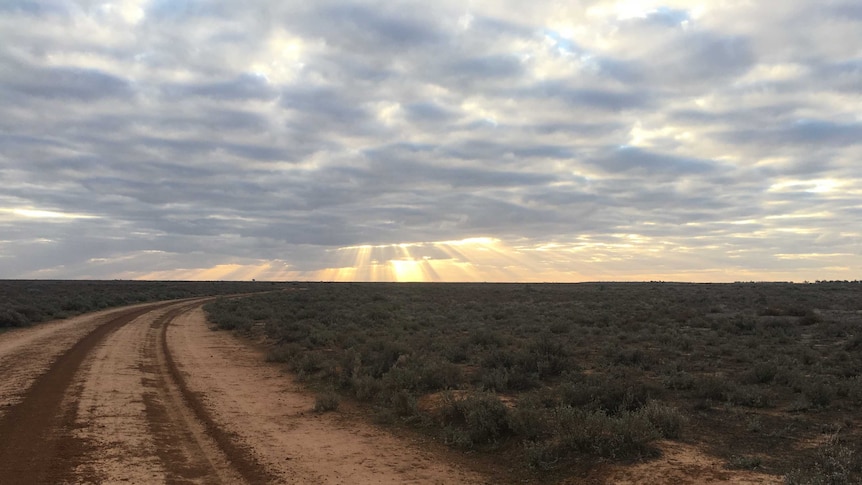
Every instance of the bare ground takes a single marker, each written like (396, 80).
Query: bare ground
(682, 463)
(150, 395)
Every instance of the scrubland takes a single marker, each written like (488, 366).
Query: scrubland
(25, 302)
(549, 381)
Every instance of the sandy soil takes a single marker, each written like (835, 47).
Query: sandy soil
(112, 413)
(25, 353)
(270, 412)
(38, 442)
(151, 395)
(684, 464)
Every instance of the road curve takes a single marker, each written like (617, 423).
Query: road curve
(45, 441)
(149, 394)
(37, 444)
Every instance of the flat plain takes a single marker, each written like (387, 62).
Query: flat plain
(593, 382)
(433, 383)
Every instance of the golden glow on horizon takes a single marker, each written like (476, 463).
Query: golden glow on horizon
(624, 256)
(226, 272)
(470, 259)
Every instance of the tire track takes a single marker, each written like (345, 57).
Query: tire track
(44, 440)
(191, 445)
(37, 443)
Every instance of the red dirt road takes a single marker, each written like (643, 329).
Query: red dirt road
(148, 394)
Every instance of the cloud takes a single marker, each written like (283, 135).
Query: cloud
(611, 100)
(805, 131)
(243, 87)
(65, 83)
(377, 25)
(480, 141)
(633, 160)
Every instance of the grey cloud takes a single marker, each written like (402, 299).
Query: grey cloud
(577, 129)
(672, 57)
(626, 72)
(803, 132)
(479, 68)
(175, 10)
(427, 112)
(493, 26)
(400, 173)
(846, 9)
(243, 87)
(356, 26)
(38, 9)
(225, 120)
(579, 195)
(704, 57)
(323, 107)
(845, 75)
(756, 117)
(820, 131)
(639, 161)
(604, 99)
(488, 150)
(260, 152)
(68, 83)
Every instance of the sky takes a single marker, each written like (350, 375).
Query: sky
(468, 140)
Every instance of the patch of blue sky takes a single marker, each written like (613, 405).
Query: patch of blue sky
(669, 17)
(562, 44)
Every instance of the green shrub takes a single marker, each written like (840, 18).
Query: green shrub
(762, 373)
(632, 358)
(437, 375)
(548, 357)
(541, 455)
(819, 393)
(751, 396)
(482, 417)
(366, 388)
(810, 318)
(379, 356)
(679, 381)
(625, 435)
(529, 420)
(12, 318)
(306, 364)
(326, 401)
(398, 401)
(712, 388)
(283, 352)
(668, 420)
(612, 394)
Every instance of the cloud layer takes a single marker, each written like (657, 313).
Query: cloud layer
(487, 140)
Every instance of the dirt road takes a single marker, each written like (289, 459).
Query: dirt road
(148, 394)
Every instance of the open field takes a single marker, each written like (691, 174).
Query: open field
(466, 383)
(24, 302)
(756, 383)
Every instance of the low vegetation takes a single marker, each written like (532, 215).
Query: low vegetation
(23, 303)
(765, 376)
